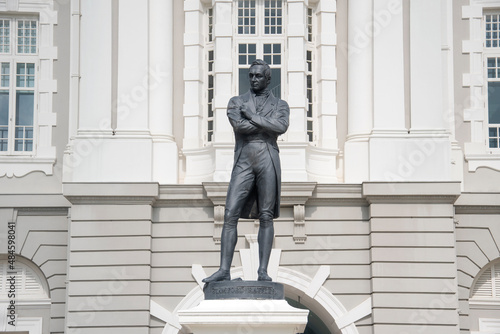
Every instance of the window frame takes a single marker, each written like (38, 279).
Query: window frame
(209, 121)
(260, 38)
(14, 58)
(43, 158)
(489, 52)
(311, 47)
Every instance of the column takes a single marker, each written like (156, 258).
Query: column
(112, 142)
(224, 82)
(109, 257)
(388, 67)
(413, 254)
(165, 152)
(360, 90)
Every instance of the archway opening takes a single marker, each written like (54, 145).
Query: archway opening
(314, 323)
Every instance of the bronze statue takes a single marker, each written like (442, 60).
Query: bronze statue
(257, 118)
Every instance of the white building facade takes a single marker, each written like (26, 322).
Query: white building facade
(116, 152)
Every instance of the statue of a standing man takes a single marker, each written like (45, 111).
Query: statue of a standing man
(257, 118)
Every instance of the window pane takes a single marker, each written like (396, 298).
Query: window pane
(210, 95)
(493, 143)
(24, 107)
(275, 85)
(3, 142)
(246, 58)
(244, 83)
(4, 37)
(210, 23)
(25, 75)
(4, 107)
(246, 17)
(492, 30)
(272, 54)
(5, 79)
(494, 102)
(4, 119)
(272, 17)
(28, 30)
(24, 121)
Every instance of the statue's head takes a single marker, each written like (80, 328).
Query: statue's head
(259, 75)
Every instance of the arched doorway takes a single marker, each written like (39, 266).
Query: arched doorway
(325, 308)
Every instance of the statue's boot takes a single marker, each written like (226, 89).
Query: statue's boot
(228, 243)
(265, 239)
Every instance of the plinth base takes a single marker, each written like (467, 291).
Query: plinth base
(243, 290)
(244, 316)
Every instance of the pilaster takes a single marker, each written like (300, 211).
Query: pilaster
(327, 78)
(297, 99)
(193, 81)
(224, 83)
(199, 159)
(413, 256)
(322, 158)
(109, 275)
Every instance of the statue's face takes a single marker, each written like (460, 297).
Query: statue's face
(257, 76)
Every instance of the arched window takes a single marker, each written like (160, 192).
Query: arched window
(28, 284)
(487, 285)
(485, 299)
(32, 301)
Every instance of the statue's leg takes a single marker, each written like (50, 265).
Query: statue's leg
(265, 239)
(229, 238)
(241, 183)
(266, 181)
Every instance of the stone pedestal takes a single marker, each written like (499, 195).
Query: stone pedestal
(244, 315)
